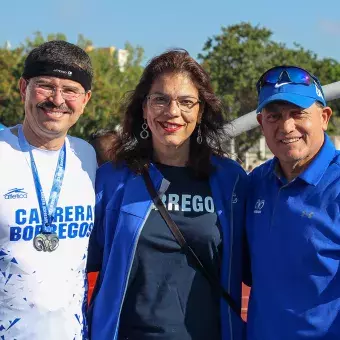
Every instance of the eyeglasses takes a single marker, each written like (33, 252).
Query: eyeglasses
(47, 90)
(289, 74)
(161, 101)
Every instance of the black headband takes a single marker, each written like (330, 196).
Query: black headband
(40, 68)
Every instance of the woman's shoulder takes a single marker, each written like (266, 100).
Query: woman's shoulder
(110, 174)
(227, 164)
(110, 168)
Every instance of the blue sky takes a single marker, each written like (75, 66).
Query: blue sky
(158, 25)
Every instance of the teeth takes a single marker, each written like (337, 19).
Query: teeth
(55, 113)
(289, 140)
(168, 125)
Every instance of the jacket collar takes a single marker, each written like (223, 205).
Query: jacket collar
(136, 198)
(320, 163)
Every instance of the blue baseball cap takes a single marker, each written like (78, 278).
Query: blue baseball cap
(290, 84)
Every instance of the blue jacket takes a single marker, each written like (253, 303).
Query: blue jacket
(123, 205)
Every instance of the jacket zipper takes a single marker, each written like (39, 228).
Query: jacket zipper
(231, 253)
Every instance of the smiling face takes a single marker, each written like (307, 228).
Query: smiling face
(171, 127)
(294, 135)
(49, 117)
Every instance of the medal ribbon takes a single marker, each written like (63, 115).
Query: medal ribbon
(47, 212)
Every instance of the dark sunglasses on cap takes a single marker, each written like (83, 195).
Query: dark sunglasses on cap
(291, 74)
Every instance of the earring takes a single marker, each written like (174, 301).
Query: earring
(199, 135)
(144, 134)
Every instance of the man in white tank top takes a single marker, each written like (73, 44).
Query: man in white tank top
(47, 200)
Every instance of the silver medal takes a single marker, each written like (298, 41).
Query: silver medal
(46, 242)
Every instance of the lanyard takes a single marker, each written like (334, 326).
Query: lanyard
(47, 212)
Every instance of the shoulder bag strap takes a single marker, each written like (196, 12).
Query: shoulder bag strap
(182, 242)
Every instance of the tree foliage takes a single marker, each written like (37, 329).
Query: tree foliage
(237, 57)
(111, 82)
(11, 65)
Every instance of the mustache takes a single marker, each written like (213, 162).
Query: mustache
(50, 105)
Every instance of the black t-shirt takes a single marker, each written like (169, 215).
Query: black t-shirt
(166, 297)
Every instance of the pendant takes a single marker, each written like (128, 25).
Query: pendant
(46, 242)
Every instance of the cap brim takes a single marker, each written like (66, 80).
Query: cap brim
(301, 101)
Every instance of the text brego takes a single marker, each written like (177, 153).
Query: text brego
(196, 203)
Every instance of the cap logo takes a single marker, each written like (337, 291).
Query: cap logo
(318, 92)
(279, 85)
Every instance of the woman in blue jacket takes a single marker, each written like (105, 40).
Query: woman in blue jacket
(148, 287)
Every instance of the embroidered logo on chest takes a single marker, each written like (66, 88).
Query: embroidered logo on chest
(234, 198)
(258, 206)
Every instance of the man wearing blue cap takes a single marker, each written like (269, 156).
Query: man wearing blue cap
(293, 216)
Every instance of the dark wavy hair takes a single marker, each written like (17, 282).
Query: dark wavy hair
(129, 148)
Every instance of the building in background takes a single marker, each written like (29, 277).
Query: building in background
(122, 55)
